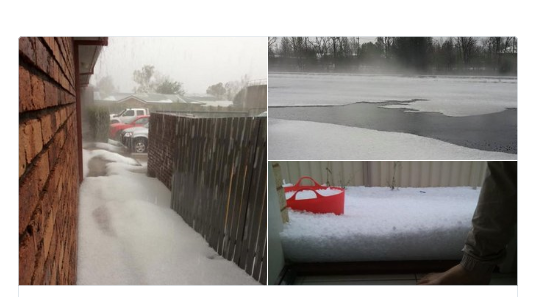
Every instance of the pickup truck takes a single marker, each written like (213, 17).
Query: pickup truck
(128, 114)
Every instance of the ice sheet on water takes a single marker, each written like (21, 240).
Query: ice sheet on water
(380, 224)
(450, 95)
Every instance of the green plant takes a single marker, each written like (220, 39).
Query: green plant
(99, 121)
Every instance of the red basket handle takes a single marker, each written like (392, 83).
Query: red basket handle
(293, 197)
(306, 177)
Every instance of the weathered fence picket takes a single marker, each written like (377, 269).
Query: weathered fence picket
(218, 182)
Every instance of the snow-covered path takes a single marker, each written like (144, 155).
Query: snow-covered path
(128, 235)
(302, 140)
(380, 224)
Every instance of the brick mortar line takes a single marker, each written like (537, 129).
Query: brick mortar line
(33, 68)
(41, 242)
(25, 232)
(45, 148)
(63, 57)
(37, 114)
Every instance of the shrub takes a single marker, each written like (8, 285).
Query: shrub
(99, 120)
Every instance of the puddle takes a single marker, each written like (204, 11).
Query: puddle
(490, 132)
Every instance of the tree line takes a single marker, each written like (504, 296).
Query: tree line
(478, 55)
(149, 80)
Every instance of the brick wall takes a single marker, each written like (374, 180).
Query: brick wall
(48, 161)
(161, 147)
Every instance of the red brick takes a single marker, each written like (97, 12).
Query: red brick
(52, 64)
(27, 48)
(22, 160)
(50, 42)
(24, 142)
(43, 170)
(32, 138)
(26, 139)
(42, 56)
(65, 82)
(53, 152)
(25, 101)
(48, 223)
(37, 92)
(57, 54)
(56, 72)
(28, 199)
(59, 120)
(64, 113)
(46, 126)
(27, 257)
(50, 94)
(60, 138)
(54, 276)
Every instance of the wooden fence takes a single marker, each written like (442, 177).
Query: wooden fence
(219, 186)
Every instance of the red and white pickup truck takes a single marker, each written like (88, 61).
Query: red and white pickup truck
(127, 114)
(116, 128)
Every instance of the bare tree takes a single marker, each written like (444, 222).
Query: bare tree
(321, 46)
(466, 46)
(270, 42)
(286, 47)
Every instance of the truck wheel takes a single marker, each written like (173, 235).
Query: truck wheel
(139, 145)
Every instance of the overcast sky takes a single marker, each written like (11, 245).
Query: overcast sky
(197, 62)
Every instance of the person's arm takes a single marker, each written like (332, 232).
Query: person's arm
(493, 223)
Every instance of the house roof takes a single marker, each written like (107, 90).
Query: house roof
(152, 98)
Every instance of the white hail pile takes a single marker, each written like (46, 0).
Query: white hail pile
(380, 224)
(128, 235)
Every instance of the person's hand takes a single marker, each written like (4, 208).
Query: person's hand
(456, 275)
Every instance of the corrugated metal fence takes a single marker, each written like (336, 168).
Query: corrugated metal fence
(219, 186)
(387, 173)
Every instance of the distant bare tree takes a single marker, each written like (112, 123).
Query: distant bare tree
(300, 49)
(321, 46)
(385, 44)
(270, 43)
(466, 46)
(286, 47)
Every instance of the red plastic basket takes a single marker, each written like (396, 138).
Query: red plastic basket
(321, 204)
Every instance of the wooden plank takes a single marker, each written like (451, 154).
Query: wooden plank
(229, 244)
(261, 244)
(219, 180)
(248, 152)
(248, 214)
(257, 201)
(228, 184)
(276, 167)
(224, 184)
